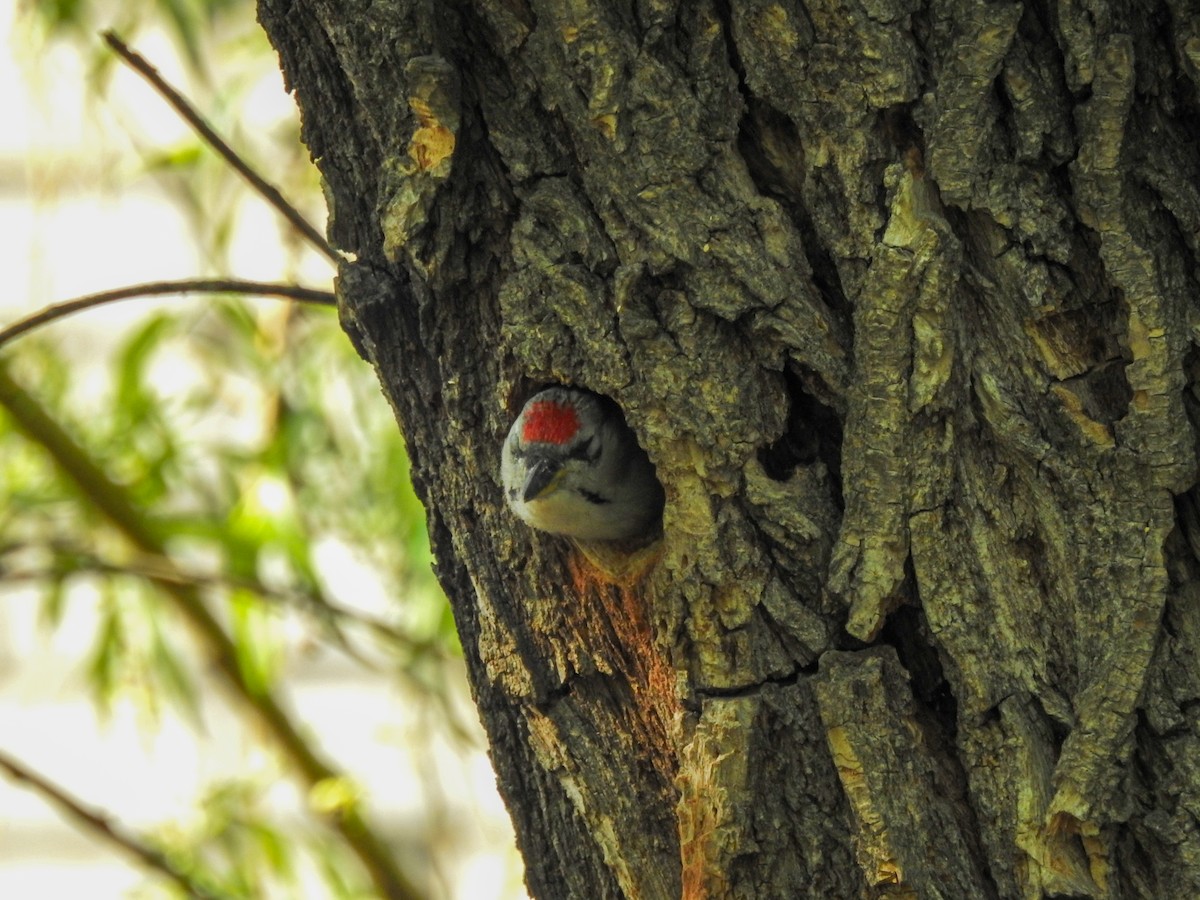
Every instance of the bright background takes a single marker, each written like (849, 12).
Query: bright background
(247, 419)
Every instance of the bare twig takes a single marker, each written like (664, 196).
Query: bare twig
(160, 288)
(329, 614)
(214, 140)
(99, 824)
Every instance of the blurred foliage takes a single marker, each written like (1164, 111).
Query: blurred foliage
(192, 24)
(257, 445)
(226, 62)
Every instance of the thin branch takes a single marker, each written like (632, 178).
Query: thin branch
(99, 824)
(146, 534)
(214, 140)
(161, 288)
(330, 615)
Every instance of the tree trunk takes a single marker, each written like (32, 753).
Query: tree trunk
(899, 299)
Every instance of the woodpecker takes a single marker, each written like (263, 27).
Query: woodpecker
(572, 466)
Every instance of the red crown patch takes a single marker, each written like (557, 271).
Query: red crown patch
(549, 423)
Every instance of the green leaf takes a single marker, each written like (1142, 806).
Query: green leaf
(103, 668)
(133, 359)
(54, 601)
(182, 157)
(182, 15)
(57, 15)
(173, 677)
(272, 846)
(257, 646)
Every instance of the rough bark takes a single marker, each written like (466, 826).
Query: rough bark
(899, 297)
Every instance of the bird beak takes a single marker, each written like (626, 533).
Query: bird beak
(542, 479)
